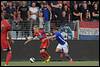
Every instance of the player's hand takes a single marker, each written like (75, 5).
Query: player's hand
(28, 39)
(43, 40)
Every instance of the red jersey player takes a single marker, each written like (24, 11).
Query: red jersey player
(44, 44)
(5, 43)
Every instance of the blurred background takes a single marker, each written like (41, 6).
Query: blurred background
(76, 20)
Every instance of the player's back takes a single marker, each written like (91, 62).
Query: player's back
(60, 38)
(6, 28)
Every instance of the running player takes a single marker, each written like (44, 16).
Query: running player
(6, 43)
(44, 44)
(62, 44)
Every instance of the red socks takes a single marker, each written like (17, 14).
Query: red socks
(44, 55)
(8, 57)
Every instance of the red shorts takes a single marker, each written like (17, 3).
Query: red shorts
(45, 44)
(5, 44)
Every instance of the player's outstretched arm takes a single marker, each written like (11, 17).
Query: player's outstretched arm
(29, 39)
(50, 37)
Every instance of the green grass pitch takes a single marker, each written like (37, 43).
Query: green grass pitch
(53, 63)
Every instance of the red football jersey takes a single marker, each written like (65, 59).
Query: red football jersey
(6, 28)
(41, 34)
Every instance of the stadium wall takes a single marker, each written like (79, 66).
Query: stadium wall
(79, 50)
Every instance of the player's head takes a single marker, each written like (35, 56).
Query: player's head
(54, 30)
(5, 15)
(36, 29)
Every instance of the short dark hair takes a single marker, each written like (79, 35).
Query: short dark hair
(54, 29)
(6, 16)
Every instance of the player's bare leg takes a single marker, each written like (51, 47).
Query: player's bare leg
(65, 51)
(68, 57)
(60, 51)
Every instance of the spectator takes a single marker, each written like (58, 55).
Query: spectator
(38, 4)
(29, 3)
(3, 13)
(76, 17)
(2, 6)
(76, 13)
(95, 12)
(17, 4)
(85, 13)
(17, 24)
(66, 3)
(2, 10)
(46, 14)
(64, 19)
(33, 12)
(41, 20)
(24, 13)
(10, 11)
(57, 11)
(66, 9)
(89, 5)
(53, 7)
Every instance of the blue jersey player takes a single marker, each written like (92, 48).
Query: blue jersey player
(62, 46)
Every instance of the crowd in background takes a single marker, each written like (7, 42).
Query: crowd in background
(23, 15)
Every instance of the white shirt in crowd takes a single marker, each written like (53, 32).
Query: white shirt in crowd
(33, 12)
